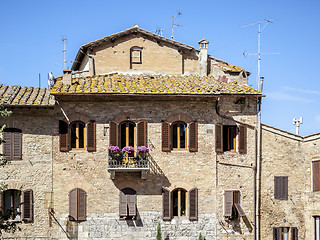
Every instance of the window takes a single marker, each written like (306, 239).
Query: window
(174, 136)
(316, 175)
(283, 233)
(226, 136)
(12, 146)
(77, 136)
(136, 55)
(281, 187)
(127, 134)
(175, 204)
(77, 204)
(317, 227)
(232, 208)
(18, 205)
(128, 203)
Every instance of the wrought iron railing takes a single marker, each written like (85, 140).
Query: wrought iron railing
(131, 162)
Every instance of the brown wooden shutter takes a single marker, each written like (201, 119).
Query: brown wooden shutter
(123, 203)
(242, 139)
(17, 145)
(91, 136)
(219, 138)
(1, 204)
(228, 203)
(284, 187)
(316, 175)
(166, 204)
(7, 145)
(27, 205)
(165, 129)
(113, 136)
(236, 201)
(193, 204)
(73, 203)
(142, 133)
(132, 204)
(294, 233)
(277, 187)
(64, 136)
(276, 233)
(82, 204)
(193, 137)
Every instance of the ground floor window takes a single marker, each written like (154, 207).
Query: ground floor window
(12, 204)
(285, 233)
(179, 200)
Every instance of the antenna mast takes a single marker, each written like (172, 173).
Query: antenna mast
(174, 25)
(64, 40)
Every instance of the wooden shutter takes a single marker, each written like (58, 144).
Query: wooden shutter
(294, 233)
(7, 145)
(284, 187)
(17, 145)
(166, 204)
(142, 133)
(91, 136)
(27, 205)
(277, 187)
(73, 202)
(132, 204)
(1, 204)
(316, 175)
(276, 233)
(281, 187)
(228, 203)
(64, 136)
(165, 129)
(81, 204)
(219, 138)
(193, 204)
(236, 201)
(123, 209)
(242, 139)
(193, 137)
(113, 136)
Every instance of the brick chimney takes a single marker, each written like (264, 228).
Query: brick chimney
(203, 57)
(67, 76)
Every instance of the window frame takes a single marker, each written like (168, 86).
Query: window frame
(236, 210)
(281, 182)
(12, 133)
(77, 204)
(132, 58)
(180, 203)
(77, 135)
(128, 134)
(178, 136)
(229, 140)
(127, 192)
(13, 216)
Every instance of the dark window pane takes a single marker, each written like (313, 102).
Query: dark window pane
(175, 135)
(182, 135)
(225, 139)
(12, 204)
(232, 134)
(183, 203)
(73, 130)
(175, 203)
(131, 134)
(81, 135)
(123, 135)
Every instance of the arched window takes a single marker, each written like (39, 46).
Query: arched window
(78, 204)
(127, 134)
(77, 135)
(179, 202)
(179, 135)
(127, 203)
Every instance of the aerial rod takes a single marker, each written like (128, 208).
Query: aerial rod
(174, 25)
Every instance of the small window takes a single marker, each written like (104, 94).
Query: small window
(12, 146)
(179, 135)
(285, 233)
(229, 138)
(12, 204)
(232, 207)
(128, 203)
(77, 135)
(77, 204)
(281, 187)
(316, 175)
(127, 134)
(179, 202)
(136, 55)
(226, 136)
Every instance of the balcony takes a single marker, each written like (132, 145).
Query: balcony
(135, 162)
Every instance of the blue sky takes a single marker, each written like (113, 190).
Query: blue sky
(31, 32)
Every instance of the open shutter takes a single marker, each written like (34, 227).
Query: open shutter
(294, 233)
(166, 204)
(236, 201)
(165, 130)
(228, 203)
(132, 204)
(123, 209)
(82, 204)
(219, 138)
(276, 233)
(193, 204)
(113, 130)
(73, 203)
(91, 136)
(7, 145)
(316, 175)
(242, 139)
(142, 133)
(27, 205)
(64, 136)
(193, 137)
(17, 145)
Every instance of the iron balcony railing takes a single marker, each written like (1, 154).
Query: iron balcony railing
(134, 162)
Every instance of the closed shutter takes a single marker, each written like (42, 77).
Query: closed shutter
(166, 204)
(316, 175)
(284, 187)
(219, 138)
(132, 204)
(17, 145)
(228, 203)
(1, 204)
(193, 204)
(7, 145)
(27, 205)
(91, 136)
(113, 136)
(277, 187)
(64, 136)
(142, 133)
(82, 204)
(123, 209)
(193, 137)
(294, 233)
(73, 203)
(165, 129)
(242, 139)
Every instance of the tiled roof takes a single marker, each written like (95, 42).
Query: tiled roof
(151, 84)
(25, 96)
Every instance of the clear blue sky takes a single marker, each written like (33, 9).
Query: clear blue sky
(31, 32)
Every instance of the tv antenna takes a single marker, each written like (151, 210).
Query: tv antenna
(173, 25)
(64, 40)
(297, 122)
(264, 23)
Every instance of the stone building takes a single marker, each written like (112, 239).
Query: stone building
(142, 130)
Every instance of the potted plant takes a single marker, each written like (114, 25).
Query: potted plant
(142, 152)
(115, 153)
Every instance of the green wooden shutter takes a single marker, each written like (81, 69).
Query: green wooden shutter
(219, 138)
(91, 136)
(193, 137)
(193, 204)
(142, 133)
(123, 204)
(81, 204)
(228, 203)
(64, 136)
(166, 204)
(27, 205)
(165, 130)
(73, 203)
(242, 138)
(113, 133)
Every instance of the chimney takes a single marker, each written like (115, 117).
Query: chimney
(67, 77)
(203, 57)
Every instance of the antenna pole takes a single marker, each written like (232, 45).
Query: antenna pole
(174, 25)
(64, 53)
(39, 81)
(259, 53)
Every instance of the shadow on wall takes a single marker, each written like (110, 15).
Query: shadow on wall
(137, 222)
(72, 229)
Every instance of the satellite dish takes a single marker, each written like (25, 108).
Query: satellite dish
(50, 80)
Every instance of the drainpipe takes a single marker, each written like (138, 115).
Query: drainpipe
(258, 167)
